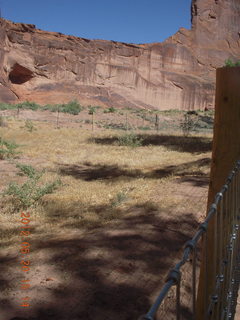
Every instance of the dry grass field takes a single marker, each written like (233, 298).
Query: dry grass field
(103, 240)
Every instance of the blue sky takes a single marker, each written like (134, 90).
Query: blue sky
(133, 21)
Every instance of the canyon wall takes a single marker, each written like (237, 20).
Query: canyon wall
(178, 73)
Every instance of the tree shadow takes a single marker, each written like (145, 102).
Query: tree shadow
(112, 271)
(197, 181)
(90, 172)
(190, 171)
(172, 142)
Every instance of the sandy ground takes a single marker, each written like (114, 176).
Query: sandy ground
(113, 272)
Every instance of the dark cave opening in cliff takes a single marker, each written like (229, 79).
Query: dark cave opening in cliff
(20, 74)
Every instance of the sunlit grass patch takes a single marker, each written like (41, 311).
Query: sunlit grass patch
(101, 180)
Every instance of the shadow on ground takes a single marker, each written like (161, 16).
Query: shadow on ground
(89, 172)
(175, 143)
(112, 271)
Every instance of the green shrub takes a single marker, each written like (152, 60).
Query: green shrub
(6, 106)
(92, 110)
(8, 149)
(230, 63)
(117, 126)
(3, 122)
(110, 110)
(189, 122)
(51, 107)
(130, 140)
(28, 171)
(29, 126)
(27, 105)
(118, 199)
(30, 192)
(144, 128)
(73, 107)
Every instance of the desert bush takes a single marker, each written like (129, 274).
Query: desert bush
(144, 128)
(27, 105)
(3, 122)
(189, 122)
(30, 192)
(115, 126)
(130, 140)
(29, 171)
(230, 63)
(118, 199)
(92, 110)
(22, 105)
(8, 149)
(73, 107)
(110, 110)
(29, 126)
(6, 106)
(51, 107)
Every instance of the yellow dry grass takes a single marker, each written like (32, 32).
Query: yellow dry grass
(100, 182)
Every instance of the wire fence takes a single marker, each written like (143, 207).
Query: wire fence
(177, 299)
(136, 120)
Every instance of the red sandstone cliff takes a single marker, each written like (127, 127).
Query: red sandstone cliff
(179, 73)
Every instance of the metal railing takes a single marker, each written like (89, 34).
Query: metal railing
(221, 304)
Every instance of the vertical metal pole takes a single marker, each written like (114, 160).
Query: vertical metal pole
(206, 277)
(230, 248)
(58, 118)
(227, 255)
(194, 258)
(220, 256)
(126, 121)
(92, 121)
(178, 302)
(143, 120)
(157, 123)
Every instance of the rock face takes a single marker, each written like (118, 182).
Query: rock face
(178, 73)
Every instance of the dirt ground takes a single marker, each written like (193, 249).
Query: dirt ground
(110, 272)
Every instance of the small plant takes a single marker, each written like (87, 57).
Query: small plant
(92, 110)
(29, 171)
(110, 110)
(5, 106)
(51, 107)
(27, 105)
(73, 107)
(144, 128)
(8, 149)
(30, 192)
(118, 199)
(189, 122)
(29, 126)
(3, 123)
(130, 140)
(230, 63)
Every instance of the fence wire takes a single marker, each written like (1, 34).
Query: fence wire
(171, 303)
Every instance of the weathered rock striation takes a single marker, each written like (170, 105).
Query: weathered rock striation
(178, 73)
